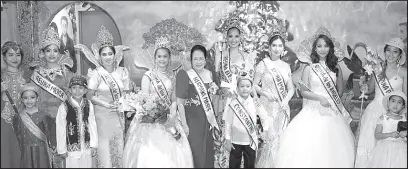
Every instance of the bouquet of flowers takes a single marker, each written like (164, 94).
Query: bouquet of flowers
(213, 88)
(150, 108)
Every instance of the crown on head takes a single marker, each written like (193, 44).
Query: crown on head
(50, 37)
(10, 44)
(278, 28)
(78, 80)
(244, 76)
(162, 42)
(233, 22)
(104, 37)
(30, 86)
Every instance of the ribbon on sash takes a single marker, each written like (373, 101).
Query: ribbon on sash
(48, 86)
(383, 83)
(204, 97)
(159, 87)
(28, 122)
(280, 86)
(246, 120)
(115, 92)
(329, 85)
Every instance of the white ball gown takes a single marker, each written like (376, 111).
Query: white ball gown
(366, 140)
(317, 137)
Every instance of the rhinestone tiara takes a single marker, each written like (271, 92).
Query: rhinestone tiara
(278, 28)
(162, 42)
(104, 37)
(233, 22)
(50, 37)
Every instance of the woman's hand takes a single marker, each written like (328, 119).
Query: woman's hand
(394, 134)
(324, 102)
(111, 105)
(270, 96)
(228, 145)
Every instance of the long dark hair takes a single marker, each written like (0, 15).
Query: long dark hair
(331, 59)
(200, 48)
(275, 37)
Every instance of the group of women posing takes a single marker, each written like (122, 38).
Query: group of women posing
(319, 136)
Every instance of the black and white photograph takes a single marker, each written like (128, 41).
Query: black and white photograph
(203, 84)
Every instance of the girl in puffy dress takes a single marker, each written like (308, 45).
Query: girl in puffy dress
(397, 80)
(391, 148)
(319, 136)
(152, 145)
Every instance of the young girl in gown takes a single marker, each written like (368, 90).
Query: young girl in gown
(29, 127)
(392, 75)
(151, 145)
(12, 82)
(320, 135)
(391, 148)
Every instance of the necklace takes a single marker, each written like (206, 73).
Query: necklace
(165, 73)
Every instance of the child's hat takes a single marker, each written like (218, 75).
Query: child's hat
(244, 76)
(30, 86)
(386, 98)
(78, 80)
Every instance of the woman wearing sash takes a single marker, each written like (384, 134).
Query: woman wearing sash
(320, 135)
(151, 145)
(29, 126)
(52, 78)
(276, 91)
(393, 77)
(195, 108)
(12, 82)
(106, 85)
(230, 60)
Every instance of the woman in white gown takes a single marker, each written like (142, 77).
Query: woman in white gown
(320, 135)
(152, 145)
(391, 76)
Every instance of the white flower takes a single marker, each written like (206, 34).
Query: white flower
(369, 69)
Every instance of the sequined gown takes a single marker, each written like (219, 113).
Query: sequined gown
(317, 137)
(389, 152)
(10, 149)
(267, 153)
(110, 130)
(34, 150)
(219, 101)
(49, 104)
(366, 140)
(152, 146)
(200, 136)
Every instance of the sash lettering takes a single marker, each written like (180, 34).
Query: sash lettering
(280, 86)
(204, 98)
(328, 84)
(246, 120)
(28, 122)
(115, 91)
(159, 86)
(225, 66)
(48, 86)
(383, 83)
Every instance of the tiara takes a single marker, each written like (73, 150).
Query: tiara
(162, 42)
(10, 44)
(50, 37)
(278, 28)
(104, 37)
(233, 22)
(244, 76)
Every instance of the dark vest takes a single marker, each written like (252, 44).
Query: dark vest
(73, 134)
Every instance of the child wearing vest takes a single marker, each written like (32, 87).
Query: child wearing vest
(240, 124)
(391, 148)
(77, 137)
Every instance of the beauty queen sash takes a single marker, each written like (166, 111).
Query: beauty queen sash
(204, 98)
(383, 83)
(159, 87)
(330, 87)
(225, 67)
(48, 86)
(246, 120)
(115, 91)
(28, 122)
(280, 86)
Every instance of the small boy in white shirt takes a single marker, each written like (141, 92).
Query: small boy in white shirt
(240, 124)
(77, 137)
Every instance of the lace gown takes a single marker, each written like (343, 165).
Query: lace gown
(389, 152)
(110, 131)
(317, 137)
(366, 140)
(152, 146)
(10, 149)
(266, 155)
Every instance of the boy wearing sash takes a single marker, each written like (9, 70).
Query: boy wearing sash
(29, 126)
(77, 137)
(240, 125)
